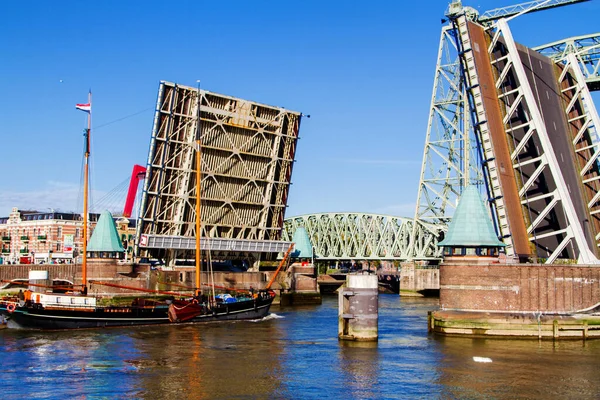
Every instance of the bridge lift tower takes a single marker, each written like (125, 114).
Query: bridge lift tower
(521, 124)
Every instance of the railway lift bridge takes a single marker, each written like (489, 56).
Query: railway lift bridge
(487, 127)
(520, 123)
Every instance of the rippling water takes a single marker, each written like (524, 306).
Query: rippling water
(293, 353)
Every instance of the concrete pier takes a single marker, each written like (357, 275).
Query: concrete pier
(515, 325)
(418, 277)
(358, 313)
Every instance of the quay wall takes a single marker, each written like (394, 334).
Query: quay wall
(519, 287)
(414, 277)
(68, 272)
(136, 276)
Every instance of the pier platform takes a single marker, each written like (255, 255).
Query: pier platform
(514, 325)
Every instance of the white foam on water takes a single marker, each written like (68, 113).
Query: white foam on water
(268, 317)
(482, 359)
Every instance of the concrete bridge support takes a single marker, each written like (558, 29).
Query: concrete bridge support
(416, 276)
(358, 312)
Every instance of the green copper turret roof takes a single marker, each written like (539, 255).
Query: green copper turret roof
(105, 236)
(302, 245)
(471, 225)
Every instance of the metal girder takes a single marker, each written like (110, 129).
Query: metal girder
(247, 152)
(344, 236)
(584, 135)
(491, 165)
(529, 6)
(557, 218)
(586, 50)
(214, 244)
(547, 206)
(450, 162)
(456, 9)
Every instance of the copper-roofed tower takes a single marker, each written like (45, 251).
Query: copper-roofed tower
(471, 235)
(303, 248)
(105, 242)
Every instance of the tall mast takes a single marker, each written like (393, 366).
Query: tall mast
(85, 192)
(198, 197)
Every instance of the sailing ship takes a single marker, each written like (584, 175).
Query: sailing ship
(79, 310)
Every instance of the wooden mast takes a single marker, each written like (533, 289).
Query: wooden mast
(85, 193)
(198, 197)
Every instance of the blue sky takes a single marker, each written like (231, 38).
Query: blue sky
(362, 70)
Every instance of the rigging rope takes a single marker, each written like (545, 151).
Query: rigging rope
(137, 289)
(123, 118)
(115, 199)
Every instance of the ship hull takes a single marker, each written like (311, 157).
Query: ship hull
(41, 318)
(29, 317)
(186, 311)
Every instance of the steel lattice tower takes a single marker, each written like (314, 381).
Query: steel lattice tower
(487, 126)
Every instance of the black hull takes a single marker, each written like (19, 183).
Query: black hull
(105, 317)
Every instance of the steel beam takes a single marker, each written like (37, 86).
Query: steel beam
(247, 151)
(346, 236)
(586, 50)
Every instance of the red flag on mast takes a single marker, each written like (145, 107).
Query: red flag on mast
(84, 107)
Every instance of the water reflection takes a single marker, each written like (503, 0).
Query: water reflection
(209, 361)
(522, 368)
(296, 356)
(359, 363)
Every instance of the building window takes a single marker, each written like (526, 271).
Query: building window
(77, 233)
(58, 246)
(59, 233)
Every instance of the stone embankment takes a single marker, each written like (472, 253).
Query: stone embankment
(295, 282)
(418, 277)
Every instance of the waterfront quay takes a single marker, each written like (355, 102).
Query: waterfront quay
(294, 353)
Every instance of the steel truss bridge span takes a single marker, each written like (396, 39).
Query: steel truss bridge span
(360, 236)
(586, 50)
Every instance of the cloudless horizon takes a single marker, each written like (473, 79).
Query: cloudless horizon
(364, 71)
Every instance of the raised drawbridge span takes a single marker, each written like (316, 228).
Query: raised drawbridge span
(520, 123)
(362, 236)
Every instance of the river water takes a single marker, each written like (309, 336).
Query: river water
(293, 354)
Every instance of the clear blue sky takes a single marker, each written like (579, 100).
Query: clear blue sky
(362, 69)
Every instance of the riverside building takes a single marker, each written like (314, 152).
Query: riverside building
(42, 237)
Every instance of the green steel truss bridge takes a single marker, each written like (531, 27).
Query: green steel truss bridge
(361, 236)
